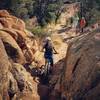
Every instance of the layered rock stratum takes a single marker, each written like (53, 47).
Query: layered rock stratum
(16, 49)
(81, 74)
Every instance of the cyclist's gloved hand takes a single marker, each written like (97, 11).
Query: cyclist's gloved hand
(55, 52)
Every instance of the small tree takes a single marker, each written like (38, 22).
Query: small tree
(22, 13)
(22, 8)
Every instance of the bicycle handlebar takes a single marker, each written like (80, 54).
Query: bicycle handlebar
(56, 53)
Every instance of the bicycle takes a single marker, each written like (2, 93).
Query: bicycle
(46, 69)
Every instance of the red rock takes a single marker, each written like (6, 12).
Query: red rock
(81, 73)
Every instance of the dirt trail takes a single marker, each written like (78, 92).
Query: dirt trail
(60, 46)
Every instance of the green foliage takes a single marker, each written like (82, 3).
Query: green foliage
(52, 7)
(90, 9)
(22, 12)
(40, 32)
(50, 17)
(95, 16)
(46, 11)
(21, 8)
(52, 12)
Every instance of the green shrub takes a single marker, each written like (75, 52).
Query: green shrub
(95, 16)
(53, 11)
(50, 17)
(52, 7)
(22, 13)
(40, 32)
(21, 8)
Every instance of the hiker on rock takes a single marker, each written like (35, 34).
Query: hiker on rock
(82, 24)
(48, 53)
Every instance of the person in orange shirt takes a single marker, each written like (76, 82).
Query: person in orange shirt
(82, 24)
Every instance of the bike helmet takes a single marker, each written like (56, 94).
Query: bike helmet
(48, 38)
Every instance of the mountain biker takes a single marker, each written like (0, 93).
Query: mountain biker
(48, 54)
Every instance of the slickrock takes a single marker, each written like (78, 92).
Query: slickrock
(4, 66)
(16, 49)
(81, 73)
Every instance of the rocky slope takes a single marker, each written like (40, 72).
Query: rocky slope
(17, 47)
(81, 76)
(21, 49)
(77, 76)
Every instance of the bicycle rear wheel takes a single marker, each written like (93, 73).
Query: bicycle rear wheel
(47, 69)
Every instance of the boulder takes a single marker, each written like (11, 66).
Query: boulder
(4, 13)
(55, 80)
(12, 48)
(11, 32)
(4, 66)
(6, 22)
(16, 44)
(18, 23)
(26, 85)
(81, 73)
(20, 38)
(10, 21)
(15, 28)
(13, 86)
(1, 26)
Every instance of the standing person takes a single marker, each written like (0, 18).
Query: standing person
(48, 53)
(82, 24)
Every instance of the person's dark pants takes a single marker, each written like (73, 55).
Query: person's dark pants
(50, 58)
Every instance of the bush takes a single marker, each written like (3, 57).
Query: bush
(22, 13)
(52, 7)
(40, 32)
(53, 12)
(95, 16)
(44, 10)
(50, 17)
(21, 8)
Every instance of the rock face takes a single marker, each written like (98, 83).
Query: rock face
(81, 77)
(16, 38)
(4, 65)
(16, 49)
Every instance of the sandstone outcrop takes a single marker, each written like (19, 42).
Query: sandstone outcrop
(16, 49)
(12, 48)
(81, 76)
(4, 66)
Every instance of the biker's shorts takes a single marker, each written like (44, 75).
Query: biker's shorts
(50, 58)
